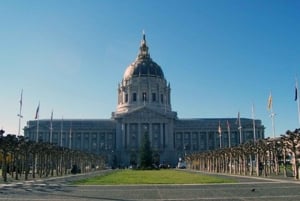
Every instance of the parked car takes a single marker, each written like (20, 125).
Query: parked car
(181, 165)
(164, 166)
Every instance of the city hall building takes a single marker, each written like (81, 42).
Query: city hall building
(144, 106)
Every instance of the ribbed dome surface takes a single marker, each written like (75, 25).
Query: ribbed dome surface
(143, 66)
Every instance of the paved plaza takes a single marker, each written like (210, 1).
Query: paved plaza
(247, 189)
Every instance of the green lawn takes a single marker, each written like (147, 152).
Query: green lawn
(152, 177)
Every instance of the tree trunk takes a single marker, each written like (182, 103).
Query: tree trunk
(284, 164)
(4, 167)
(295, 168)
(257, 169)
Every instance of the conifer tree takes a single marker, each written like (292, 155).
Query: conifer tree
(146, 152)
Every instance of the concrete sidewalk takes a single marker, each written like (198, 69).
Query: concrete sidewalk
(246, 178)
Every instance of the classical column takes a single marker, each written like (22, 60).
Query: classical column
(191, 136)
(127, 135)
(150, 133)
(206, 143)
(129, 95)
(139, 93)
(89, 142)
(122, 137)
(81, 141)
(139, 134)
(162, 143)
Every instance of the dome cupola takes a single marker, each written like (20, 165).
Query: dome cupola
(143, 66)
(143, 85)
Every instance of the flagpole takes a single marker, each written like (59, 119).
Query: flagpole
(298, 100)
(36, 140)
(254, 133)
(229, 135)
(51, 127)
(240, 128)
(298, 103)
(70, 140)
(220, 134)
(253, 117)
(37, 134)
(20, 113)
(61, 130)
(272, 115)
(37, 131)
(37, 123)
(273, 124)
(70, 136)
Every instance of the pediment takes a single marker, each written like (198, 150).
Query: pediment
(145, 114)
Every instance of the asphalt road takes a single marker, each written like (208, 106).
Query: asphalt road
(247, 189)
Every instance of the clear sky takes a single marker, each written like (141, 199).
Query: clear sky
(219, 56)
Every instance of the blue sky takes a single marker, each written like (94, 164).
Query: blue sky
(220, 57)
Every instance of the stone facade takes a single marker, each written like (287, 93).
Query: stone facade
(144, 105)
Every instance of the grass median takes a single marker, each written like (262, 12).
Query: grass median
(170, 176)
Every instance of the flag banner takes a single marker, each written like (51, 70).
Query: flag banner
(270, 102)
(252, 111)
(219, 129)
(21, 99)
(21, 103)
(238, 121)
(238, 117)
(70, 130)
(37, 112)
(228, 125)
(51, 123)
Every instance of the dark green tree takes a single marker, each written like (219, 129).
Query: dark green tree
(146, 153)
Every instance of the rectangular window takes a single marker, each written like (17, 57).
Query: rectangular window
(178, 141)
(153, 97)
(126, 98)
(102, 136)
(161, 98)
(134, 97)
